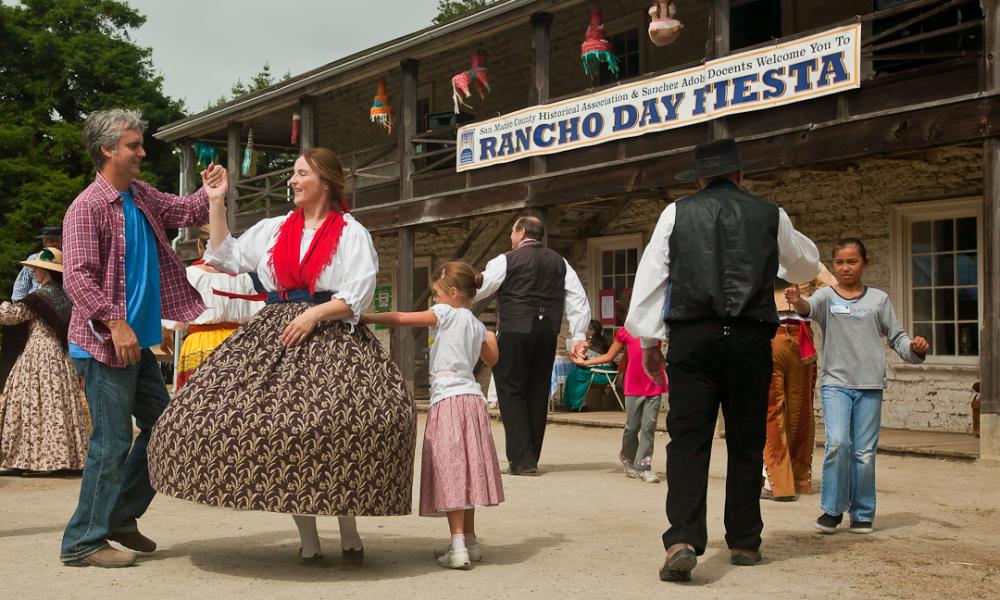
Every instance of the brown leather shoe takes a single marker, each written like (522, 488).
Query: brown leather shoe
(133, 540)
(681, 560)
(107, 558)
(744, 558)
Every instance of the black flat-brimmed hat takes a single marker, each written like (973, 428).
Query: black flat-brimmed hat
(715, 158)
(49, 233)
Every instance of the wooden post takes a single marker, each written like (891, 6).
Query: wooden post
(189, 172)
(408, 127)
(541, 26)
(233, 157)
(719, 46)
(307, 131)
(402, 338)
(989, 338)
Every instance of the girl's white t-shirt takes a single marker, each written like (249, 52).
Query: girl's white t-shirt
(457, 342)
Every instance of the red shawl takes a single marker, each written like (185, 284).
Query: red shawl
(289, 273)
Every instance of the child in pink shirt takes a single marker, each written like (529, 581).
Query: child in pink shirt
(642, 405)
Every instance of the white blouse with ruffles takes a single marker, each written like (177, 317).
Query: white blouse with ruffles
(350, 277)
(221, 309)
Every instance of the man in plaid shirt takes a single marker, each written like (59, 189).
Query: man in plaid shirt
(122, 276)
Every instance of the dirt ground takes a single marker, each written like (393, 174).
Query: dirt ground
(579, 530)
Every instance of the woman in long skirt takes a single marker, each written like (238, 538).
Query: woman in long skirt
(300, 411)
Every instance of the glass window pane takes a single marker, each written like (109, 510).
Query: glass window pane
(619, 261)
(968, 304)
(966, 238)
(968, 339)
(606, 262)
(921, 271)
(607, 282)
(633, 260)
(967, 274)
(922, 305)
(926, 331)
(944, 235)
(944, 269)
(620, 283)
(944, 339)
(920, 237)
(944, 304)
(629, 281)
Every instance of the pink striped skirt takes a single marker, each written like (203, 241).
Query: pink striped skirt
(459, 468)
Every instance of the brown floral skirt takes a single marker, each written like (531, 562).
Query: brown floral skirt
(326, 427)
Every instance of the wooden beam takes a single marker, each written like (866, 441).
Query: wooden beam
(604, 223)
(407, 127)
(719, 46)
(234, 133)
(457, 255)
(989, 341)
(541, 27)
(405, 348)
(307, 131)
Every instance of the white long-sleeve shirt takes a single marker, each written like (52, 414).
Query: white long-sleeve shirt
(349, 277)
(577, 308)
(798, 262)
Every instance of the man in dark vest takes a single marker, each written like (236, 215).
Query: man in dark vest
(533, 285)
(708, 275)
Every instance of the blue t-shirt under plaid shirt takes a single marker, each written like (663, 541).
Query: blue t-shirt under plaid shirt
(142, 279)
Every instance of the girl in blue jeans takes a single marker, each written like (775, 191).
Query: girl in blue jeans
(853, 318)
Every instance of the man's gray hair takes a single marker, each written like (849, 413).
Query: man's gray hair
(103, 129)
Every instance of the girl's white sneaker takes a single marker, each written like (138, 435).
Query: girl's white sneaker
(649, 476)
(455, 559)
(475, 552)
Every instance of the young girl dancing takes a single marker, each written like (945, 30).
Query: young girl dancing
(853, 318)
(459, 469)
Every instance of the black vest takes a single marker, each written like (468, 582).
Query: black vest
(535, 286)
(723, 256)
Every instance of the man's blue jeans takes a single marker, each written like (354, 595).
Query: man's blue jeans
(115, 490)
(851, 419)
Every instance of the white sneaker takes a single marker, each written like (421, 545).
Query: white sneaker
(649, 476)
(475, 552)
(455, 559)
(632, 473)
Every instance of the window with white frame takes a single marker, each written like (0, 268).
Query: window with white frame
(938, 273)
(612, 264)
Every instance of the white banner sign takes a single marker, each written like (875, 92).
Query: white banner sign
(817, 65)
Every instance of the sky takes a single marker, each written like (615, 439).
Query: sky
(202, 48)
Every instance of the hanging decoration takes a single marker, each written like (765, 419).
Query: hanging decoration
(664, 28)
(381, 112)
(596, 48)
(296, 126)
(248, 168)
(205, 154)
(461, 84)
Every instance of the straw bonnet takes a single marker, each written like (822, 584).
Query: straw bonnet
(49, 258)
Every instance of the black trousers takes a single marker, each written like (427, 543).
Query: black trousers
(712, 364)
(523, 376)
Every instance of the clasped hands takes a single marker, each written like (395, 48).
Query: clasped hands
(215, 180)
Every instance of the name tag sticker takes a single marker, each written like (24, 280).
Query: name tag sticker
(838, 307)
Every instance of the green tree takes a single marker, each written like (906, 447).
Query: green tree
(449, 10)
(262, 79)
(59, 61)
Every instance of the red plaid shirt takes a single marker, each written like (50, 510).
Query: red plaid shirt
(94, 260)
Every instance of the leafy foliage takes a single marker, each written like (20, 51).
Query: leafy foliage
(259, 81)
(449, 10)
(59, 61)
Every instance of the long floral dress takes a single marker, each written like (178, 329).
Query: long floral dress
(44, 424)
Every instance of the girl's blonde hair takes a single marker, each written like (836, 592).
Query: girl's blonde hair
(456, 274)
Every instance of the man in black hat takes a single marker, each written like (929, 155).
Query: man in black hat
(25, 283)
(708, 275)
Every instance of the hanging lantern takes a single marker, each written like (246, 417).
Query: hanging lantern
(248, 168)
(381, 112)
(596, 48)
(205, 154)
(664, 28)
(296, 126)
(462, 83)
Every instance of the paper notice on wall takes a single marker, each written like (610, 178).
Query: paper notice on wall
(607, 309)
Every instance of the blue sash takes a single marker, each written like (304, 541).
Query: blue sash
(298, 296)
